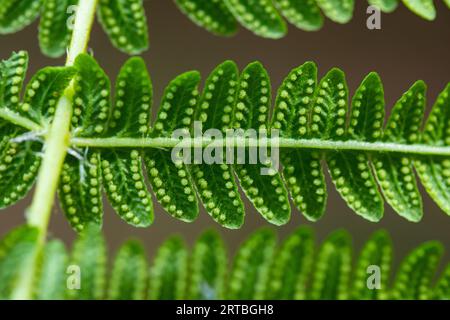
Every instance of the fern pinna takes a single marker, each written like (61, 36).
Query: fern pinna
(296, 269)
(265, 17)
(125, 22)
(110, 141)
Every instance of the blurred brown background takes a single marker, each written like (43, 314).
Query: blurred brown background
(405, 50)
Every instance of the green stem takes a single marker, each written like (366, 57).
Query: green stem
(55, 149)
(58, 138)
(417, 149)
(18, 120)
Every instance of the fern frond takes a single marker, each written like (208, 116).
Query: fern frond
(260, 269)
(264, 19)
(124, 21)
(111, 141)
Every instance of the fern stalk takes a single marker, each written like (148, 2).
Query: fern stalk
(249, 142)
(59, 133)
(57, 143)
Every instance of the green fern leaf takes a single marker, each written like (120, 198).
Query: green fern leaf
(43, 92)
(385, 5)
(292, 266)
(80, 192)
(266, 192)
(88, 262)
(377, 252)
(216, 185)
(259, 16)
(122, 169)
(423, 8)
(80, 186)
(12, 76)
(303, 14)
(332, 269)
(125, 187)
(134, 97)
(368, 108)
(340, 11)
(260, 270)
(17, 250)
(415, 275)
(355, 181)
(251, 267)
(168, 274)
(313, 120)
(302, 168)
(208, 266)
(171, 181)
(51, 283)
(125, 23)
(19, 165)
(330, 107)
(54, 29)
(395, 172)
(19, 162)
(92, 102)
(435, 172)
(213, 15)
(355, 184)
(129, 274)
(263, 17)
(442, 289)
(17, 14)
